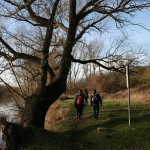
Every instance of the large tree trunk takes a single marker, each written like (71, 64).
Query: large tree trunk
(37, 105)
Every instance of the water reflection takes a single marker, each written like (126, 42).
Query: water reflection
(11, 111)
(0, 139)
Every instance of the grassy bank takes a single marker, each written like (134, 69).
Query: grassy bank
(110, 132)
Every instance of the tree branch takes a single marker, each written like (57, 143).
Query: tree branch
(42, 21)
(20, 7)
(12, 88)
(87, 27)
(119, 69)
(17, 55)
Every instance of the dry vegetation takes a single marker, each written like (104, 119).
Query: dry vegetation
(56, 115)
(141, 94)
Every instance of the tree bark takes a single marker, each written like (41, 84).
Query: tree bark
(38, 104)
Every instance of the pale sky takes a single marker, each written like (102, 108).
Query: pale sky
(137, 34)
(141, 35)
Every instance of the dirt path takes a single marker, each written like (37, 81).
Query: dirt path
(77, 125)
(77, 128)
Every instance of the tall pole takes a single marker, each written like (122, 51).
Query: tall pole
(128, 86)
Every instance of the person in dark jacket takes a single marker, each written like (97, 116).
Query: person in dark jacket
(96, 101)
(86, 96)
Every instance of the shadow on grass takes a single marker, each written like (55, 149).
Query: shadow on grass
(42, 139)
(87, 137)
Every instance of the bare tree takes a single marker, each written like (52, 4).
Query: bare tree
(59, 25)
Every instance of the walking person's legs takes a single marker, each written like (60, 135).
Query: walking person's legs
(97, 111)
(85, 102)
(78, 111)
(94, 110)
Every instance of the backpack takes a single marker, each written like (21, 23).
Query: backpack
(79, 100)
(97, 99)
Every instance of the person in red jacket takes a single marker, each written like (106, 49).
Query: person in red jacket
(79, 103)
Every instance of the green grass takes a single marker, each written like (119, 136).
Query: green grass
(116, 134)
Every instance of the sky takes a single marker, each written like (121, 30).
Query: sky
(139, 34)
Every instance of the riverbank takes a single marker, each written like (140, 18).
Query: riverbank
(110, 131)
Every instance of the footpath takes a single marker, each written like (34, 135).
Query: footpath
(79, 127)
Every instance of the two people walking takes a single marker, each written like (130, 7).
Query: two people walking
(81, 100)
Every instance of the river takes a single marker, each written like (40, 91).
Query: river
(0, 139)
(9, 110)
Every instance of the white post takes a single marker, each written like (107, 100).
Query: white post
(128, 86)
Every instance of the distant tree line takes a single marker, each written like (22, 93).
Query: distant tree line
(104, 82)
(111, 82)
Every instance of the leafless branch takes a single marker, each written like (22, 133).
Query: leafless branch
(19, 7)
(96, 61)
(9, 86)
(18, 55)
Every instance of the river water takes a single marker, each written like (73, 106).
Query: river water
(0, 139)
(9, 110)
